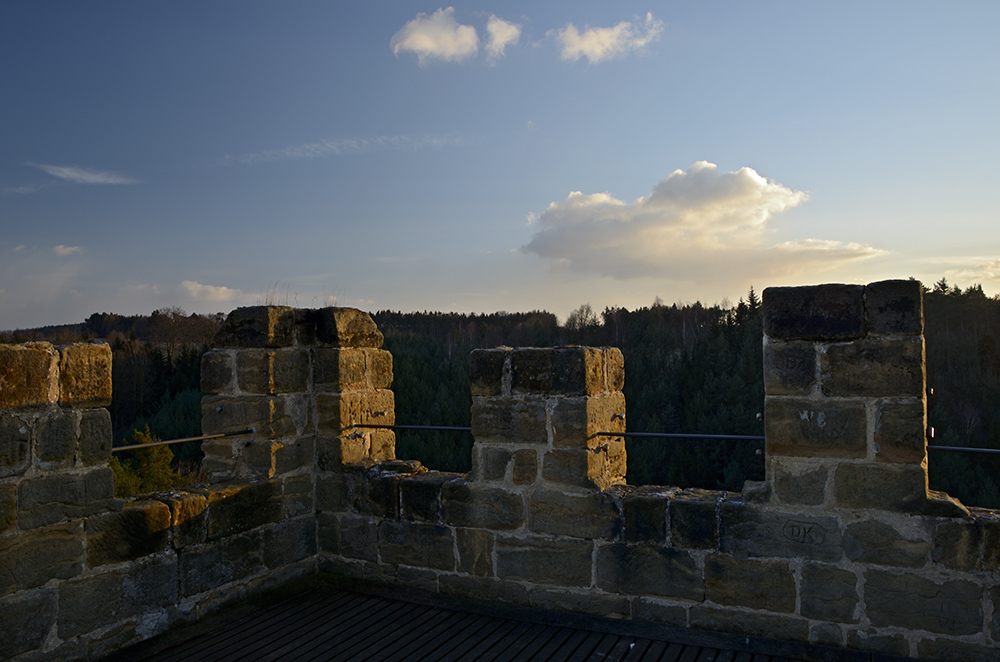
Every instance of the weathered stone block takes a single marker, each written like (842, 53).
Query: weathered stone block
(344, 327)
(914, 602)
(29, 375)
(50, 499)
(895, 307)
(877, 543)
(257, 326)
(768, 585)
(351, 369)
(489, 463)
(418, 544)
(475, 552)
(828, 312)
(799, 488)
(693, 521)
(217, 371)
(900, 432)
(970, 544)
(206, 567)
(870, 640)
(336, 413)
(486, 371)
(298, 495)
(942, 648)
(763, 532)
(463, 504)
(807, 428)
(654, 610)
(120, 594)
(645, 513)
(139, 529)
(85, 375)
(95, 437)
(648, 570)
(288, 541)
(8, 507)
(558, 370)
(509, 420)
(32, 559)
(572, 515)
(738, 621)
(358, 538)
(420, 495)
(331, 492)
(27, 620)
(293, 455)
(375, 492)
(57, 438)
(563, 562)
(264, 414)
(829, 594)
(188, 519)
(482, 588)
(576, 420)
(874, 368)
(789, 367)
(15, 444)
(235, 507)
(272, 371)
(883, 486)
(525, 468)
(582, 602)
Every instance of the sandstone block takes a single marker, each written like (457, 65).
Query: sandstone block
(338, 412)
(558, 370)
(645, 514)
(941, 648)
(206, 567)
(188, 517)
(829, 594)
(771, 626)
(265, 414)
(29, 375)
(874, 368)
(882, 486)
(914, 602)
(33, 558)
(970, 544)
(799, 488)
(489, 463)
(298, 496)
(877, 543)
(27, 620)
(85, 375)
(648, 570)
(767, 585)
(576, 420)
(764, 532)
(272, 371)
(57, 439)
(257, 326)
(827, 312)
(217, 371)
(50, 499)
(95, 437)
(420, 495)
(563, 562)
(464, 504)
(582, 602)
(236, 507)
(870, 640)
(509, 420)
(293, 455)
(338, 370)
(358, 538)
(331, 492)
(693, 522)
(288, 541)
(374, 493)
(140, 529)
(15, 444)
(655, 610)
(481, 588)
(8, 507)
(895, 307)
(789, 367)
(572, 515)
(900, 432)
(475, 552)
(525, 468)
(418, 544)
(807, 428)
(486, 371)
(344, 327)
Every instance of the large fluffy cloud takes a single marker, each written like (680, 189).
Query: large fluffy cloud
(700, 223)
(598, 44)
(438, 36)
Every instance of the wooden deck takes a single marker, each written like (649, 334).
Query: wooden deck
(331, 623)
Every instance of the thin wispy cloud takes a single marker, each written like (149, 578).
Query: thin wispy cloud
(700, 223)
(67, 250)
(436, 37)
(209, 293)
(500, 34)
(344, 146)
(21, 190)
(78, 175)
(599, 44)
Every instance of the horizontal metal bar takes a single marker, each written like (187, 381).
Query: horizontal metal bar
(679, 435)
(180, 441)
(444, 428)
(961, 449)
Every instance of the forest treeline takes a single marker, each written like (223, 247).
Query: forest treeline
(689, 368)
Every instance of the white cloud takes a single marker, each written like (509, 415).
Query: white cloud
(210, 293)
(67, 250)
(84, 175)
(340, 146)
(599, 44)
(438, 36)
(500, 35)
(696, 224)
(983, 270)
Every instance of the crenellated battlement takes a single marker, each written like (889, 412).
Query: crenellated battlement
(842, 544)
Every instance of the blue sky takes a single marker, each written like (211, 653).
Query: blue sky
(488, 156)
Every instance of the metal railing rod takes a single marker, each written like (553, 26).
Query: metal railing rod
(964, 449)
(680, 435)
(204, 437)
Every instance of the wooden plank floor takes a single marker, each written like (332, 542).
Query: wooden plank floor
(327, 623)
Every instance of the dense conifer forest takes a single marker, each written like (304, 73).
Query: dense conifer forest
(689, 369)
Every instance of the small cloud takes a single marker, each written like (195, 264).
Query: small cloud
(84, 175)
(500, 35)
(979, 271)
(340, 146)
(210, 293)
(599, 44)
(21, 190)
(63, 250)
(18, 249)
(438, 36)
(695, 224)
